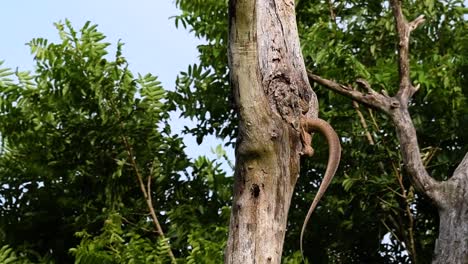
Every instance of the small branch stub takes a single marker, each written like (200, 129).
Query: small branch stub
(415, 23)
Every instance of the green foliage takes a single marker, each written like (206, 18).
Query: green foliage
(371, 195)
(9, 256)
(204, 218)
(70, 131)
(203, 91)
(295, 258)
(360, 43)
(115, 245)
(69, 134)
(207, 245)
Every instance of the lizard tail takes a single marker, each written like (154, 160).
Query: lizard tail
(334, 154)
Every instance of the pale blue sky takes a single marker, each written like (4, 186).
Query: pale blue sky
(152, 43)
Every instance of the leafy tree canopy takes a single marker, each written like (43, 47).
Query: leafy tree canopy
(81, 133)
(371, 196)
(78, 136)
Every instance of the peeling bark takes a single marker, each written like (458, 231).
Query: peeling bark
(271, 92)
(452, 243)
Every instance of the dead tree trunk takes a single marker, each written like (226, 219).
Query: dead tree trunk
(451, 196)
(452, 243)
(271, 93)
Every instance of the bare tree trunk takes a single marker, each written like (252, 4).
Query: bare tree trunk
(452, 243)
(271, 92)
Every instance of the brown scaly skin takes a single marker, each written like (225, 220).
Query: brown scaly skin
(309, 126)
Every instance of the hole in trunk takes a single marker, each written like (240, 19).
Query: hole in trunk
(255, 190)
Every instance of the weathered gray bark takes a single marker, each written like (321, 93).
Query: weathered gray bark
(450, 196)
(452, 243)
(271, 92)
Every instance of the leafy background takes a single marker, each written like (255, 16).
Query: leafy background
(81, 131)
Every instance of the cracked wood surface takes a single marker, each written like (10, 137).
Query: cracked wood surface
(272, 93)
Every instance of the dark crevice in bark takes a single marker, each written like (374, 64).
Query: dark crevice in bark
(269, 84)
(255, 190)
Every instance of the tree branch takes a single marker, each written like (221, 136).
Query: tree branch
(407, 137)
(146, 192)
(147, 195)
(404, 126)
(451, 195)
(363, 123)
(404, 29)
(397, 106)
(332, 11)
(409, 239)
(372, 98)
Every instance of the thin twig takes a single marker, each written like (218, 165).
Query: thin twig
(395, 192)
(374, 121)
(410, 244)
(147, 195)
(146, 192)
(390, 230)
(363, 123)
(332, 11)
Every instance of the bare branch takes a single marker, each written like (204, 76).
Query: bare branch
(448, 194)
(404, 126)
(332, 11)
(363, 123)
(366, 85)
(372, 98)
(147, 194)
(415, 23)
(406, 89)
(410, 151)
(409, 239)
